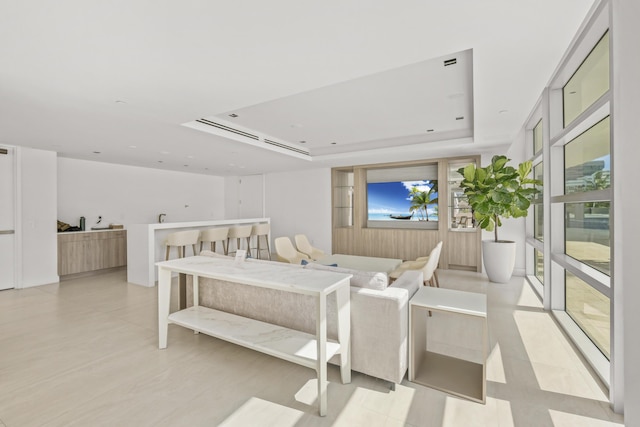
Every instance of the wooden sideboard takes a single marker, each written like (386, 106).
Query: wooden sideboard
(86, 251)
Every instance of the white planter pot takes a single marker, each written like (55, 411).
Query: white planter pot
(499, 260)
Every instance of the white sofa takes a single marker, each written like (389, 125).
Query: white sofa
(379, 318)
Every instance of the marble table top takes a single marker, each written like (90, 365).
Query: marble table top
(264, 274)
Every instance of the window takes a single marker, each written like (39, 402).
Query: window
(588, 83)
(590, 309)
(587, 160)
(538, 265)
(538, 207)
(587, 234)
(537, 138)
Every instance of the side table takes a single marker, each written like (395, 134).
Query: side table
(446, 373)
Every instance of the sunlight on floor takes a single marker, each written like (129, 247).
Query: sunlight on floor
(563, 418)
(495, 366)
(268, 413)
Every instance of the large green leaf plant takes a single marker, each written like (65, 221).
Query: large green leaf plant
(498, 191)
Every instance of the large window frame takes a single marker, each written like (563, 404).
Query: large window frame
(557, 262)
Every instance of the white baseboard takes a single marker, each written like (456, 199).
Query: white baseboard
(48, 281)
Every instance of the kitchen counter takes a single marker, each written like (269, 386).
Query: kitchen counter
(145, 244)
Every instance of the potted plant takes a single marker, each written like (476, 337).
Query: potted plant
(495, 192)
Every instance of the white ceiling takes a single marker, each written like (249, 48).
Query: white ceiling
(80, 77)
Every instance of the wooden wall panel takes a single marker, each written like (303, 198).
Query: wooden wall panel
(460, 249)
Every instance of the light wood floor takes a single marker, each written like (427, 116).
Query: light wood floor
(84, 353)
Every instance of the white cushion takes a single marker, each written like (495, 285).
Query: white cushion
(361, 279)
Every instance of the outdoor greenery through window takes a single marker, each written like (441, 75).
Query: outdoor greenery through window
(591, 310)
(587, 160)
(589, 82)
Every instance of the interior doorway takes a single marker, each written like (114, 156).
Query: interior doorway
(7, 217)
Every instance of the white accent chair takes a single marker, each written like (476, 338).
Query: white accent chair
(213, 235)
(428, 265)
(181, 239)
(303, 245)
(285, 252)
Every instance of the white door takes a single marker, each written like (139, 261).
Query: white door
(7, 221)
(250, 196)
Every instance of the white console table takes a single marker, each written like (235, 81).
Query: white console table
(450, 374)
(145, 244)
(295, 346)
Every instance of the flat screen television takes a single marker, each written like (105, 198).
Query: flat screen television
(401, 201)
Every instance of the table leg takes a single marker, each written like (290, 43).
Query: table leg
(164, 299)
(321, 338)
(196, 290)
(344, 332)
(182, 278)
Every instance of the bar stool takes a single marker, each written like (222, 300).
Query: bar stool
(261, 230)
(213, 235)
(180, 239)
(240, 232)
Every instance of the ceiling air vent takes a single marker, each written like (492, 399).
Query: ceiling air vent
(230, 132)
(228, 128)
(4, 151)
(285, 146)
(448, 62)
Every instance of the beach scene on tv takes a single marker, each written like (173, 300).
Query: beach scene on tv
(402, 201)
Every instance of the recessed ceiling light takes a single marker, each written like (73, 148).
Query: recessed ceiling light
(96, 152)
(232, 164)
(164, 152)
(120, 101)
(503, 111)
(189, 157)
(234, 115)
(429, 130)
(241, 167)
(132, 146)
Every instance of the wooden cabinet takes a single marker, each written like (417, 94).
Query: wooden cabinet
(81, 252)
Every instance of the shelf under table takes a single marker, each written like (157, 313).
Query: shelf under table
(284, 343)
(451, 375)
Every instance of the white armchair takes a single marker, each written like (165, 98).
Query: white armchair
(285, 252)
(303, 245)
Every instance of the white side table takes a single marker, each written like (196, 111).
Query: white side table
(452, 375)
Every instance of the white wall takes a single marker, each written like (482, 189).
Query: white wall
(36, 222)
(244, 196)
(133, 195)
(300, 203)
(626, 92)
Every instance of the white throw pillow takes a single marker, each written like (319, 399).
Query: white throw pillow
(361, 279)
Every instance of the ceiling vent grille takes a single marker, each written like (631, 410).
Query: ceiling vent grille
(4, 151)
(285, 146)
(228, 129)
(220, 128)
(448, 62)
